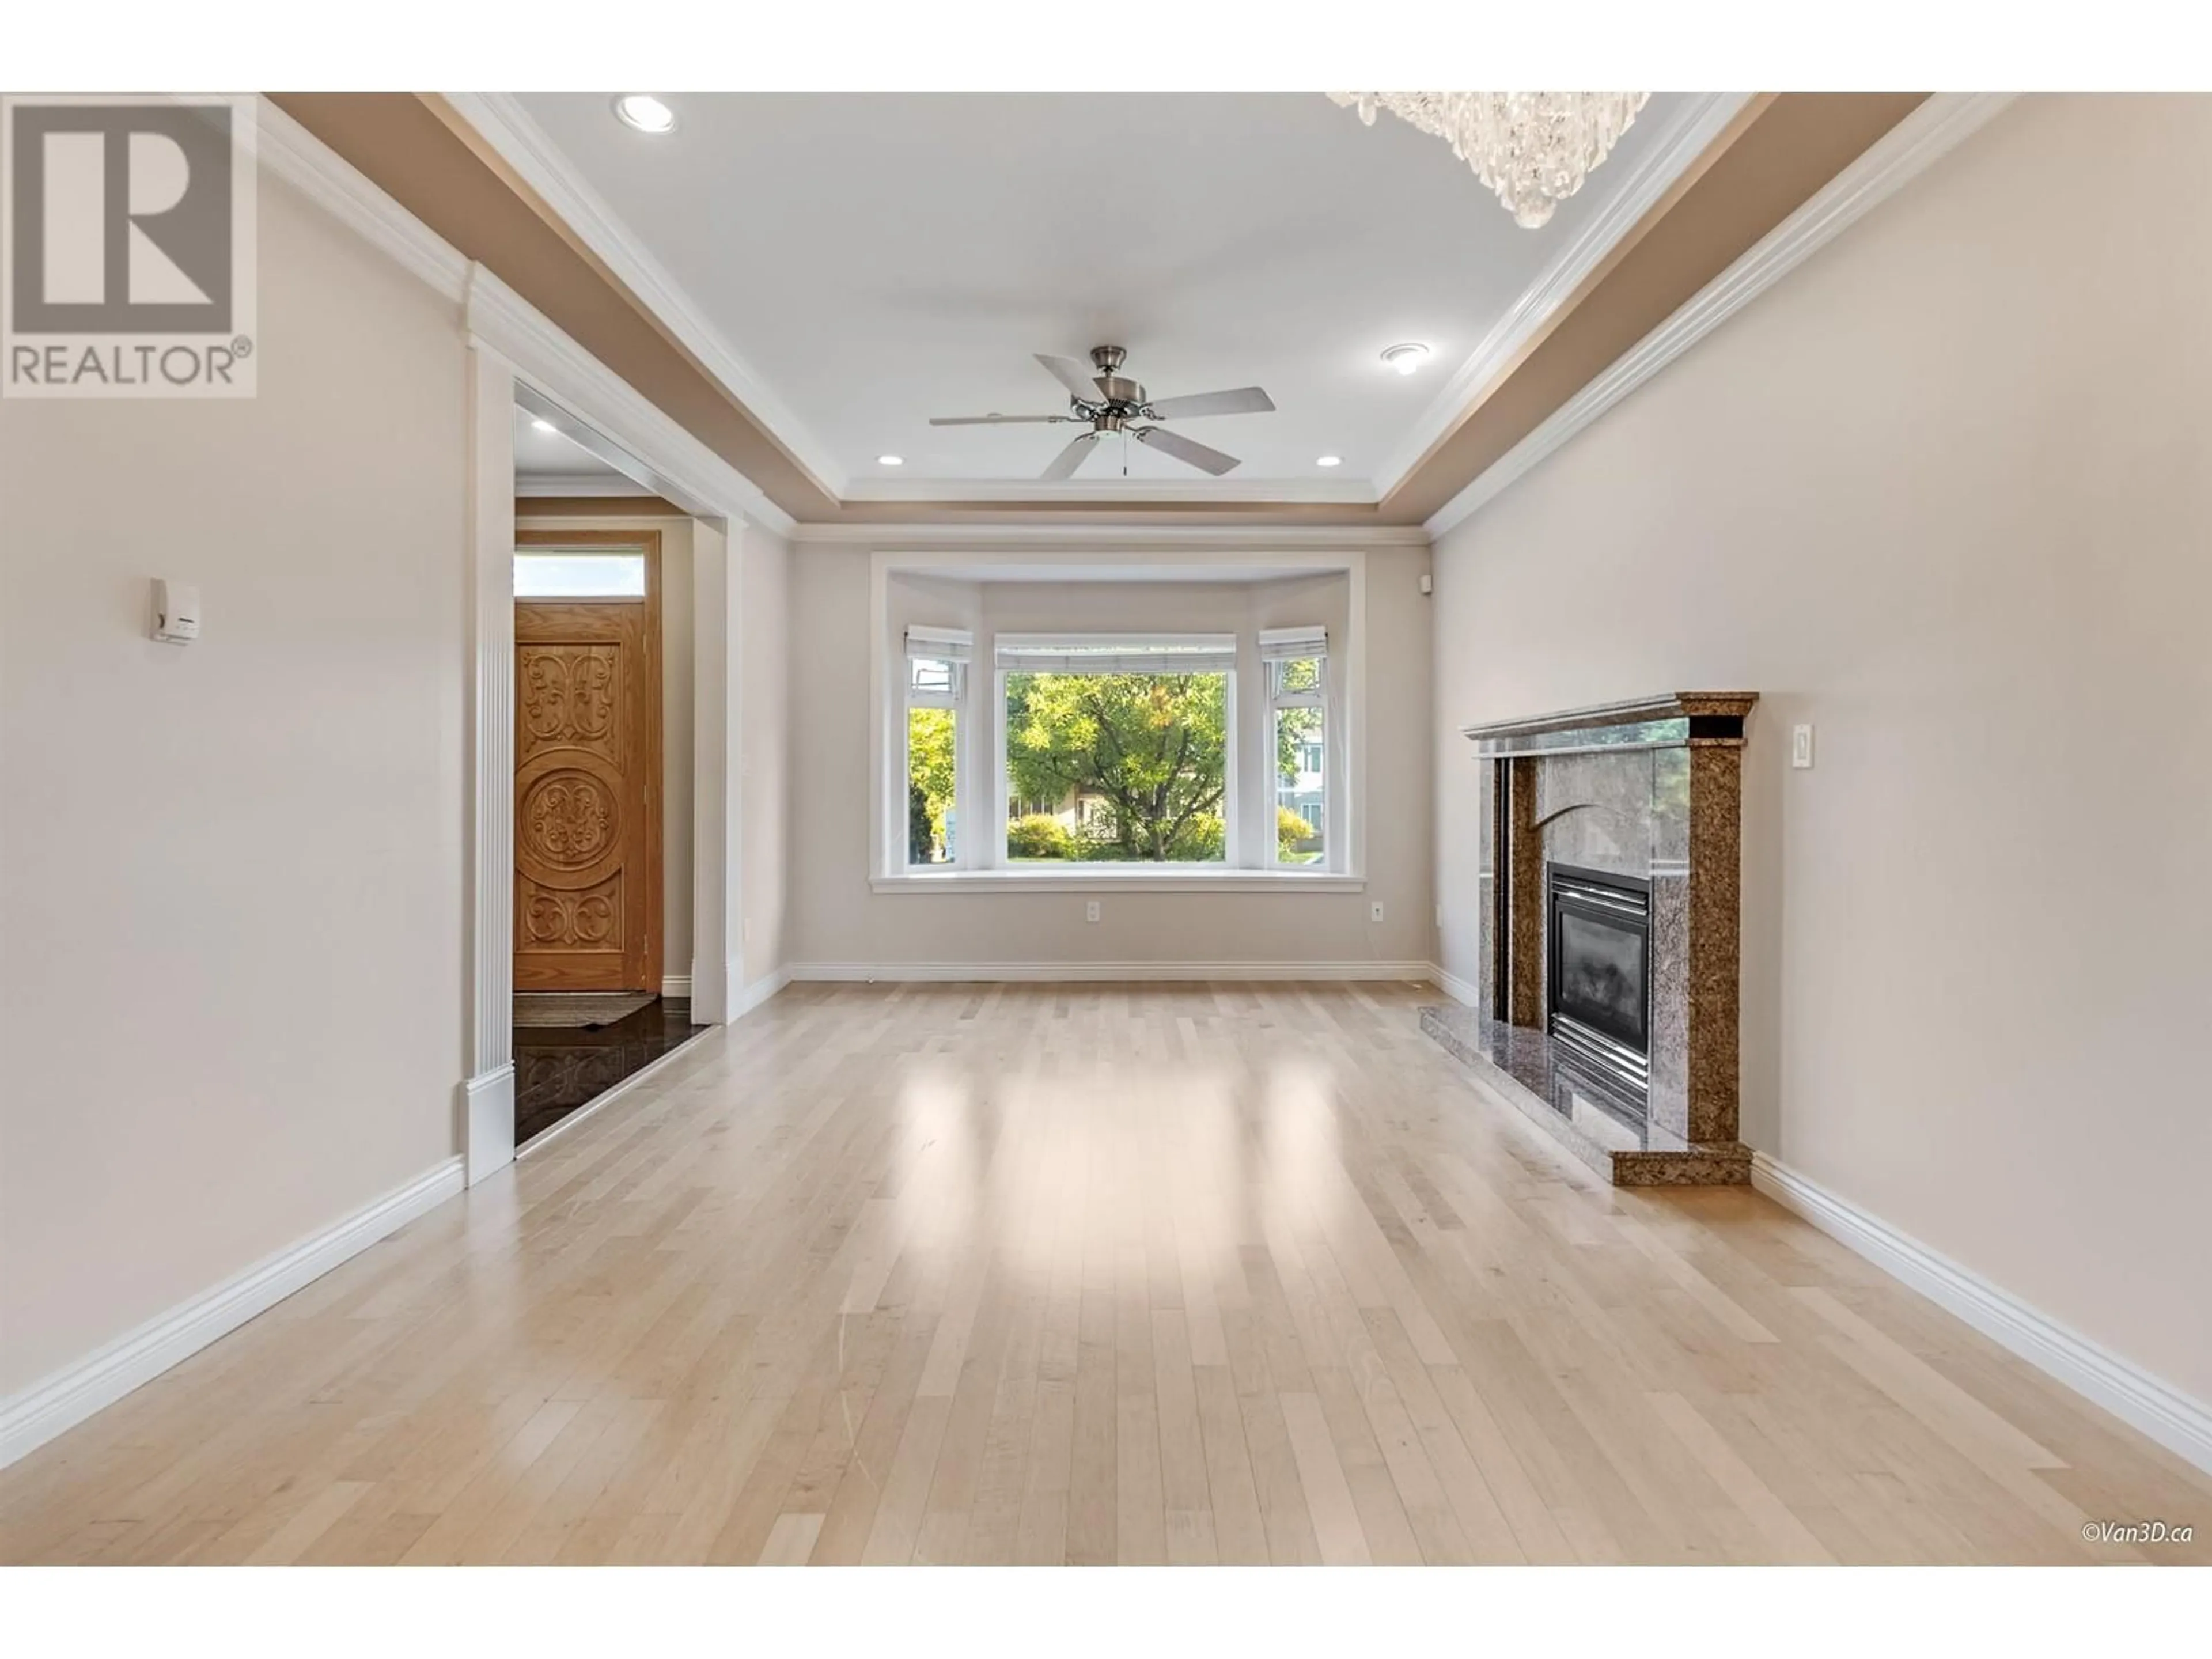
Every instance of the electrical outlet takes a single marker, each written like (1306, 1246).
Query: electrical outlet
(1090, 909)
(1375, 911)
(1801, 746)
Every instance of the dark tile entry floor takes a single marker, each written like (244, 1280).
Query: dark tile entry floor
(558, 1068)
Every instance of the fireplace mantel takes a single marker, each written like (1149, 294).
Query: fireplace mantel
(1650, 791)
(1669, 719)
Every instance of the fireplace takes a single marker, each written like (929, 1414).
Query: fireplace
(1598, 991)
(1608, 865)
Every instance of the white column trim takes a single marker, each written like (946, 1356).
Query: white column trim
(488, 1092)
(717, 773)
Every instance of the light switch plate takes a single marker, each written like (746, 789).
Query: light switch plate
(1375, 911)
(1801, 746)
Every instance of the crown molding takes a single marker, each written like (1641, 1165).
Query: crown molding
(499, 120)
(1109, 536)
(289, 151)
(500, 320)
(677, 464)
(1893, 160)
(1684, 140)
(1349, 492)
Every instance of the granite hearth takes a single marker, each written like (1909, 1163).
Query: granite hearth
(1649, 791)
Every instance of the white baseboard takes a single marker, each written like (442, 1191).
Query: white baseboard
(487, 1108)
(962, 972)
(62, 1401)
(760, 991)
(675, 985)
(1453, 986)
(2183, 1426)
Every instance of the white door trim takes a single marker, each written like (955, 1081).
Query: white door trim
(518, 355)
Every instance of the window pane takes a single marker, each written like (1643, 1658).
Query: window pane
(930, 820)
(580, 575)
(1302, 674)
(1117, 768)
(1300, 793)
(929, 674)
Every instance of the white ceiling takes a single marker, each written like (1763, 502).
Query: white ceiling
(545, 459)
(862, 262)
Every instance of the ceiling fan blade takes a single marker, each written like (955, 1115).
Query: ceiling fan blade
(1197, 454)
(1245, 400)
(1064, 464)
(996, 420)
(1081, 383)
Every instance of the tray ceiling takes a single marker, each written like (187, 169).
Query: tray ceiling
(855, 264)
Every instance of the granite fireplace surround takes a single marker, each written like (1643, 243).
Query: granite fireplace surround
(1649, 789)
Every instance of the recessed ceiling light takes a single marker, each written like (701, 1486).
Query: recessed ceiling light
(545, 425)
(891, 460)
(1407, 359)
(1329, 460)
(645, 112)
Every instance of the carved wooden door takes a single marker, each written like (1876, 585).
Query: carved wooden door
(588, 897)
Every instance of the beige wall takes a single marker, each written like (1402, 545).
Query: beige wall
(1945, 494)
(837, 919)
(765, 666)
(231, 909)
(678, 647)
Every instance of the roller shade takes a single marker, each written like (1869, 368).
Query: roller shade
(943, 644)
(1190, 654)
(1292, 644)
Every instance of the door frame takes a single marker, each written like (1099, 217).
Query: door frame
(647, 543)
(518, 356)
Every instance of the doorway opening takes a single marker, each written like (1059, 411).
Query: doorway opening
(595, 998)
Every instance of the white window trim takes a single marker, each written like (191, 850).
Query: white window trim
(1279, 648)
(1147, 653)
(982, 869)
(956, 648)
(1122, 878)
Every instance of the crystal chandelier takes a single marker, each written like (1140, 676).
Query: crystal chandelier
(1533, 149)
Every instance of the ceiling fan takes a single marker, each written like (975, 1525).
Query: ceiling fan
(1108, 402)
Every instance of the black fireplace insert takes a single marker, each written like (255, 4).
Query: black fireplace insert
(1598, 969)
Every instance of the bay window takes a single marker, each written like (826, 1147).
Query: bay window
(1020, 753)
(1117, 750)
(935, 682)
(1297, 663)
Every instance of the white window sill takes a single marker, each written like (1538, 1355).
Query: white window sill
(1114, 880)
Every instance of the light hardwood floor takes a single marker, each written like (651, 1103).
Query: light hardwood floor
(1072, 1273)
